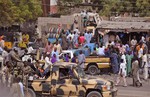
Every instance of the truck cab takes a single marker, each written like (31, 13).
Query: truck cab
(64, 81)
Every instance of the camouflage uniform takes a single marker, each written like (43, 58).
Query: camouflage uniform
(17, 64)
(81, 60)
(9, 80)
(14, 58)
(15, 71)
(4, 75)
(26, 71)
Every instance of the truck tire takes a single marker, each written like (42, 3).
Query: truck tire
(93, 70)
(94, 94)
(29, 93)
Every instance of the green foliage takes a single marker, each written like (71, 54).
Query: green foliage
(66, 5)
(19, 11)
(71, 1)
(112, 7)
(143, 7)
(7, 13)
(109, 7)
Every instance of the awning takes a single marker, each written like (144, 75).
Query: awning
(125, 26)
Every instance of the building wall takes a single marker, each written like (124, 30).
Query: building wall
(45, 23)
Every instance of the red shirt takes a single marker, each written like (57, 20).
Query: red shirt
(81, 39)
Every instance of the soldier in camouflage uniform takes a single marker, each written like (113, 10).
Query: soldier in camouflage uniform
(14, 56)
(7, 74)
(26, 71)
(4, 75)
(81, 61)
(17, 63)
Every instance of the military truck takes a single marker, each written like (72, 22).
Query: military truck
(64, 81)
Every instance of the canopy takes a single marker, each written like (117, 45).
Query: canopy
(125, 26)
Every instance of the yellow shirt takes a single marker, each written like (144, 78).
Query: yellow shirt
(22, 44)
(25, 38)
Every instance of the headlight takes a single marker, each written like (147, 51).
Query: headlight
(105, 87)
(108, 87)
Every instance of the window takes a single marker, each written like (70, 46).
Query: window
(65, 73)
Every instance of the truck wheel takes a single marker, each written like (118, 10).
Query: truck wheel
(29, 93)
(92, 70)
(94, 94)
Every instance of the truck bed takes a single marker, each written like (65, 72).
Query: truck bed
(97, 59)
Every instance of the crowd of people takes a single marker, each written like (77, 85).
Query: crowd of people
(123, 56)
(130, 60)
(127, 60)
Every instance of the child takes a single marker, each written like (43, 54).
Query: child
(54, 59)
(122, 73)
(73, 60)
(66, 58)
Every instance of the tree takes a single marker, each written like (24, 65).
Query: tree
(19, 11)
(143, 7)
(65, 5)
(8, 13)
(140, 7)
(108, 6)
(29, 9)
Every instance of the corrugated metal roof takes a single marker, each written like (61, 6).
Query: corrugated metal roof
(124, 25)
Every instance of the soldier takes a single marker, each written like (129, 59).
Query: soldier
(26, 71)
(4, 75)
(81, 60)
(9, 73)
(15, 56)
(17, 63)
